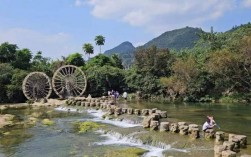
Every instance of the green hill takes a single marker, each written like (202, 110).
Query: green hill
(176, 39)
(125, 51)
(125, 47)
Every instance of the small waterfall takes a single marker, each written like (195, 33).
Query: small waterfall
(97, 114)
(155, 149)
(68, 109)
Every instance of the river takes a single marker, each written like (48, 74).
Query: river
(232, 118)
(62, 140)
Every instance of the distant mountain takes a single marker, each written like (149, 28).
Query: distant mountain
(176, 39)
(125, 47)
(125, 51)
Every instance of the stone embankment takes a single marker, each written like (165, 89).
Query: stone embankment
(155, 119)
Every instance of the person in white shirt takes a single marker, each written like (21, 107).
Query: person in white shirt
(124, 95)
(209, 124)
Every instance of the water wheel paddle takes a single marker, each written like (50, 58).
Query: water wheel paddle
(36, 86)
(69, 81)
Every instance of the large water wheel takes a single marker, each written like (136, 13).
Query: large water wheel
(69, 81)
(36, 86)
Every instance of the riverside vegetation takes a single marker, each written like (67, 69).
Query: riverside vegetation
(217, 68)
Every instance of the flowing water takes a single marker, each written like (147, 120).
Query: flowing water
(62, 139)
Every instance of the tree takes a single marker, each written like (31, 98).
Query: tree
(42, 64)
(58, 63)
(75, 59)
(184, 73)
(100, 40)
(155, 61)
(6, 73)
(22, 59)
(117, 61)
(88, 49)
(99, 61)
(7, 52)
(102, 79)
(14, 90)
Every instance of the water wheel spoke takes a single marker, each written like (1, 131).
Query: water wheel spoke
(72, 70)
(77, 91)
(78, 88)
(64, 71)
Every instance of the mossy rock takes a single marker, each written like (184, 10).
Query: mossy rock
(47, 122)
(32, 120)
(86, 126)
(36, 114)
(128, 152)
(6, 133)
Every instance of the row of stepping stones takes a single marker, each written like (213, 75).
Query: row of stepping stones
(152, 120)
(230, 147)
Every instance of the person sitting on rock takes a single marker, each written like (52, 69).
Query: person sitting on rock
(209, 124)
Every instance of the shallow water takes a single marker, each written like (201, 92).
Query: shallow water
(62, 140)
(232, 118)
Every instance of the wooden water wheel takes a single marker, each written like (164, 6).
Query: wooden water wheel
(36, 86)
(69, 81)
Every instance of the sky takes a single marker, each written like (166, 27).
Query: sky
(60, 27)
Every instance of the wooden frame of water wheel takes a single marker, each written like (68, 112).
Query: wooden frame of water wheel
(68, 81)
(36, 86)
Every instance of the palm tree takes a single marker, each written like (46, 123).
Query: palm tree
(100, 40)
(88, 49)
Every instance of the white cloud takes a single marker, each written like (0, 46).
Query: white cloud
(158, 16)
(246, 3)
(79, 3)
(52, 45)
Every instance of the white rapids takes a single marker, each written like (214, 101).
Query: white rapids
(97, 114)
(113, 138)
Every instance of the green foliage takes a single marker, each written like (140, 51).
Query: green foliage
(103, 78)
(218, 67)
(22, 59)
(99, 61)
(125, 51)
(7, 52)
(100, 40)
(176, 39)
(150, 65)
(147, 83)
(117, 61)
(14, 90)
(75, 59)
(42, 64)
(88, 49)
(154, 61)
(6, 71)
(57, 64)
